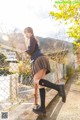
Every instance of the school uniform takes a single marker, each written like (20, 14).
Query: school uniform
(39, 60)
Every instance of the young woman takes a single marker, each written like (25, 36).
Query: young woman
(40, 67)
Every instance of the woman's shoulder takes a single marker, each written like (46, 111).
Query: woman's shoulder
(32, 38)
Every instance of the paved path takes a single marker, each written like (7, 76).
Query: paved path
(69, 110)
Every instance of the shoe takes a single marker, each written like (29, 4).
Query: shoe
(38, 110)
(62, 93)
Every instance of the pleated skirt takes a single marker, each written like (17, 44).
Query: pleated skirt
(42, 62)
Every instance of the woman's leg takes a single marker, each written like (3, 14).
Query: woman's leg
(59, 88)
(36, 93)
(37, 77)
(41, 82)
(46, 83)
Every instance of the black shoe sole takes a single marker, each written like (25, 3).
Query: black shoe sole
(39, 112)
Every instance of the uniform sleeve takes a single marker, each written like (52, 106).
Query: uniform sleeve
(31, 47)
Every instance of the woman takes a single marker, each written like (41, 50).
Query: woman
(40, 67)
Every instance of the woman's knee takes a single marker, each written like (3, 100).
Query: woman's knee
(36, 81)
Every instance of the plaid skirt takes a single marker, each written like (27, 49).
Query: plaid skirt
(40, 63)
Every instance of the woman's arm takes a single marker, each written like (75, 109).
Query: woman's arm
(31, 47)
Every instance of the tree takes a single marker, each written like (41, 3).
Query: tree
(69, 12)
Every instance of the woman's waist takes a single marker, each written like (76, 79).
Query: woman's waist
(36, 55)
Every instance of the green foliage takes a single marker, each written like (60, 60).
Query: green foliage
(4, 71)
(24, 67)
(68, 12)
(2, 57)
(79, 69)
(76, 46)
(70, 71)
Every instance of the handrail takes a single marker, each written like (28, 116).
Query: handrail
(10, 48)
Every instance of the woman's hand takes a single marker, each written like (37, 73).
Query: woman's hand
(24, 53)
(21, 52)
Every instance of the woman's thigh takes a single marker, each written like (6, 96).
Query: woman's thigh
(39, 75)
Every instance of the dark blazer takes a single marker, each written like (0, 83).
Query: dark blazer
(33, 49)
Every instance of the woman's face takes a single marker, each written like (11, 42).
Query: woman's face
(28, 35)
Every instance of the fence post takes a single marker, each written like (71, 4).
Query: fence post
(13, 67)
(13, 87)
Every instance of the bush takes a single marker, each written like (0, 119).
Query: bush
(2, 58)
(4, 71)
(79, 68)
(70, 71)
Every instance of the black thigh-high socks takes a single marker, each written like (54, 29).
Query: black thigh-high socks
(42, 97)
(46, 83)
(59, 88)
